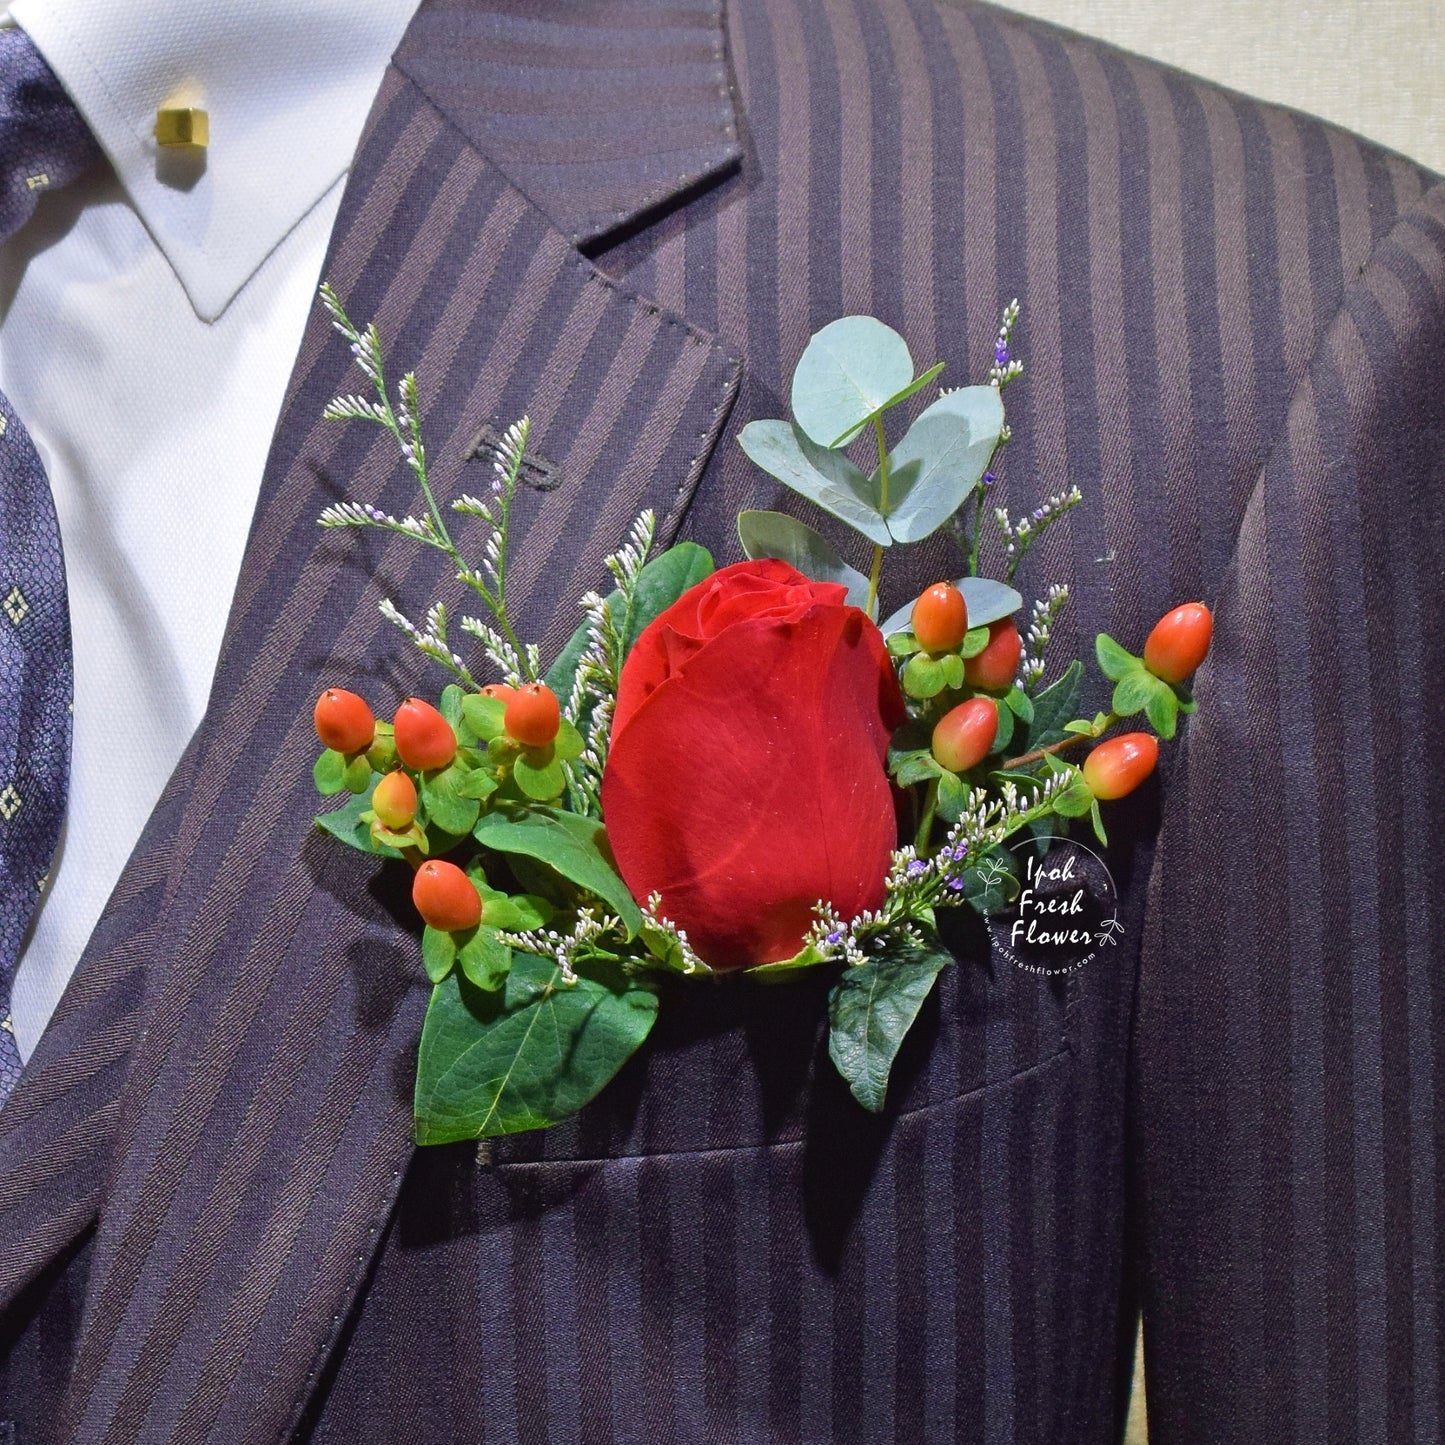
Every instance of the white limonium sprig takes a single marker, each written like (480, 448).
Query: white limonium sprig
(687, 961)
(1038, 633)
(402, 418)
(1004, 368)
(579, 945)
(1021, 534)
(917, 885)
(589, 705)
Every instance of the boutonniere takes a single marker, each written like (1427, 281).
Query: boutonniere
(729, 770)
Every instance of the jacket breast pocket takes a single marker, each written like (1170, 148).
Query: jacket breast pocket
(733, 1063)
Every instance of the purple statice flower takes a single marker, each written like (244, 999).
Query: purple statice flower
(835, 937)
(916, 867)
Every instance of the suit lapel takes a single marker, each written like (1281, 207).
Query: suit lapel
(228, 1082)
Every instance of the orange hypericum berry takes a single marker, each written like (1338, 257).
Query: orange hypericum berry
(963, 737)
(394, 801)
(424, 738)
(1179, 642)
(940, 618)
(499, 690)
(343, 721)
(1118, 766)
(445, 897)
(994, 669)
(533, 715)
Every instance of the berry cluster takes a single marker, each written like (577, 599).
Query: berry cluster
(435, 772)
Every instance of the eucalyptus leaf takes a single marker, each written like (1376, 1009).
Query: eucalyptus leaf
(573, 846)
(493, 1064)
(775, 534)
(870, 1010)
(850, 369)
(940, 460)
(824, 477)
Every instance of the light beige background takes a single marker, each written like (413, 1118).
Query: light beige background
(1373, 66)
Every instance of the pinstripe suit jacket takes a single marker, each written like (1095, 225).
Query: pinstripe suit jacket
(624, 218)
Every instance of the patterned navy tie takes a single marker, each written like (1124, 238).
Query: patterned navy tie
(44, 143)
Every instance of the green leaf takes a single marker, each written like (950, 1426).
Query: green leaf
(1004, 736)
(903, 644)
(357, 776)
(827, 478)
(1074, 801)
(1020, 704)
(1162, 710)
(1054, 706)
(453, 710)
(850, 369)
(515, 912)
(661, 582)
(987, 600)
(1133, 691)
(539, 775)
(484, 715)
(484, 958)
(974, 642)
(1097, 818)
(329, 772)
(870, 1010)
(348, 824)
(952, 665)
(479, 783)
(952, 795)
(919, 766)
(447, 806)
(573, 846)
(1115, 662)
(568, 744)
(1079, 725)
(990, 884)
(775, 534)
(941, 460)
(493, 1064)
(924, 676)
(439, 951)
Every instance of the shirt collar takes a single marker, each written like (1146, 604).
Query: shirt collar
(287, 84)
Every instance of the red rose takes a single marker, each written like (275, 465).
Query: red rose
(746, 779)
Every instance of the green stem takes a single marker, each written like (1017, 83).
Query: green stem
(1097, 731)
(877, 569)
(925, 825)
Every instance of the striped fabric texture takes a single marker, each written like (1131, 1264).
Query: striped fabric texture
(212, 1224)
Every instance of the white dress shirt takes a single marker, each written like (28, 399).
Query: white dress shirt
(149, 318)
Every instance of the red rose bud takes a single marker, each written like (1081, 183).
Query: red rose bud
(445, 897)
(963, 737)
(940, 618)
(533, 716)
(1115, 768)
(746, 778)
(343, 721)
(994, 669)
(424, 738)
(1179, 642)
(394, 801)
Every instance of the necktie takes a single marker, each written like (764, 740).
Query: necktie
(44, 143)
